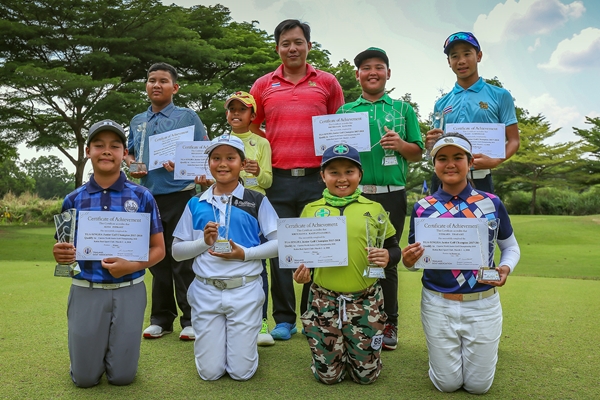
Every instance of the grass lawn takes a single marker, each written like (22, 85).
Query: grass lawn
(548, 348)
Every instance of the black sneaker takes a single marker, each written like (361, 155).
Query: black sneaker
(390, 337)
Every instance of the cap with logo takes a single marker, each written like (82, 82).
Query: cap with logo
(444, 141)
(106, 125)
(371, 52)
(467, 37)
(343, 151)
(226, 139)
(244, 97)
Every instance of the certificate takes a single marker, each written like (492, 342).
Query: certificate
(314, 242)
(102, 234)
(190, 160)
(488, 139)
(162, 146)
(351, 129)
(452, 243)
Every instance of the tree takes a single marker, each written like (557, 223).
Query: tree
(537, 164)
(12, 178)
(591, 136)
(51, 178)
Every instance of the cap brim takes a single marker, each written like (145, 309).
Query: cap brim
(109, 128)
(370, 54)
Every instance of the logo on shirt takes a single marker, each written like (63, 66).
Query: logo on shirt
(376, 342)
(131, 206)
(322, 212)
(276, 84)
(447, 110)
(252, 142)
(311, 83)
(243, 203)
(483, 105)
(367, 214)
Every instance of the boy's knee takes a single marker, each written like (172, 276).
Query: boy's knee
(84, 381)
(210, 373)
(479, 387)
(121, 380)
(447, 384)
(331, 376)
(364, 377)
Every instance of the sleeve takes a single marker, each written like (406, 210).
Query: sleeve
(267, 217)
(505, 229)
(199, 130)
(413, 130)
(187, 250)
(391, 244)
(411, 231)
(184, 228)
(390, 230)
(507, 111)
(265, 177)
(336, 96)
(256, 91)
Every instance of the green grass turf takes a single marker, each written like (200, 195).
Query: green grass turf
(547, 351)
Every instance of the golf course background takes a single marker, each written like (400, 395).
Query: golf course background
(549, 347)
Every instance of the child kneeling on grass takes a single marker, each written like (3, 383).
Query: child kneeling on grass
(345, 318)
(227, 295)
(461, 315)
(107, 299)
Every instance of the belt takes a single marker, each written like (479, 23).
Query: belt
(229, 283)
(465, 296)
(374, 189)
(296, 171)
(92, 285)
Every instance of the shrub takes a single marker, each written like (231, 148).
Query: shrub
(28, 208)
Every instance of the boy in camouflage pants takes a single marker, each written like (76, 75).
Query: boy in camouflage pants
(345, 318)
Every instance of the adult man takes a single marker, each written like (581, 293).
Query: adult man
(171, 196)
(474, 100)
(286, 100)
(396, 139)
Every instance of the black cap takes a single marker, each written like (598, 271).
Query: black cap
(371, 52)
(106, 125)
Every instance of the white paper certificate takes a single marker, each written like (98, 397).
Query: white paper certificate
(351, 129)
(488, 139)
(162, 146)
(190, 160)
(102, 234)
(314, 242)
(452, 243)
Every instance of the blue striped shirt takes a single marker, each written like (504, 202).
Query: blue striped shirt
(122, 195)
(160, 181)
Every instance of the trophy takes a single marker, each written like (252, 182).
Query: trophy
(437, 122)
(222, 244)
(138, 165)
(489, 272)
(65, 233)
(389, 155)
(376, 229)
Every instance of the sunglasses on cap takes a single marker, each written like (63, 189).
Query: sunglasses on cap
(462, 36)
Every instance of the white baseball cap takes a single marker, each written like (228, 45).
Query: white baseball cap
(226, 139)
(444, 141)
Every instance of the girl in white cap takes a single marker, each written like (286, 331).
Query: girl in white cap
(220, 229)
(460, 311)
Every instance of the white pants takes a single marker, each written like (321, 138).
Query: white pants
(462, 339)
(226, 324)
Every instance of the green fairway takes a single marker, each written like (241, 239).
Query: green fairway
(547, 351)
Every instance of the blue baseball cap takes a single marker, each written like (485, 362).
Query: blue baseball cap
(341, 150)
(467, 37)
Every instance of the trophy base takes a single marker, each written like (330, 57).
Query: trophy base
(488, 274)
(374, 272)
(222, 246)
(66, 270)
(137, 167)
(389, 161)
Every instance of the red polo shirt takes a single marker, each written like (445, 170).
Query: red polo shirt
(288, 109)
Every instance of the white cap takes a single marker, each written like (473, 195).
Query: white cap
(226, 139)
(451, 141)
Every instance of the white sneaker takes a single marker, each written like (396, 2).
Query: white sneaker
(187, 334)
(264, 337)
(154, 332)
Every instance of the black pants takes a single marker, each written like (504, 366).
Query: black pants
(485, 184)
(288, 195)
(169, 272)
(395, 204)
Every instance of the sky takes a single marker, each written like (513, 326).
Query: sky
(545, 52)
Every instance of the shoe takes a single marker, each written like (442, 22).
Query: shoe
(155, 331)
(390, 337)
(283, 331)
(187, 334)
(264, 337)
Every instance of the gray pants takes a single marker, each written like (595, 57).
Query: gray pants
(105, 331)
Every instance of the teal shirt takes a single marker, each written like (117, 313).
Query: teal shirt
(398, 116)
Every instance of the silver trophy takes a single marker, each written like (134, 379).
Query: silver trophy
(437, 122)
(138, 165)
(222, 244)
(376, 229)
(389, 155)
(65, 233)
(488, 272)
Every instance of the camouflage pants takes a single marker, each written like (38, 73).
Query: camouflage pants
(345, 333)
